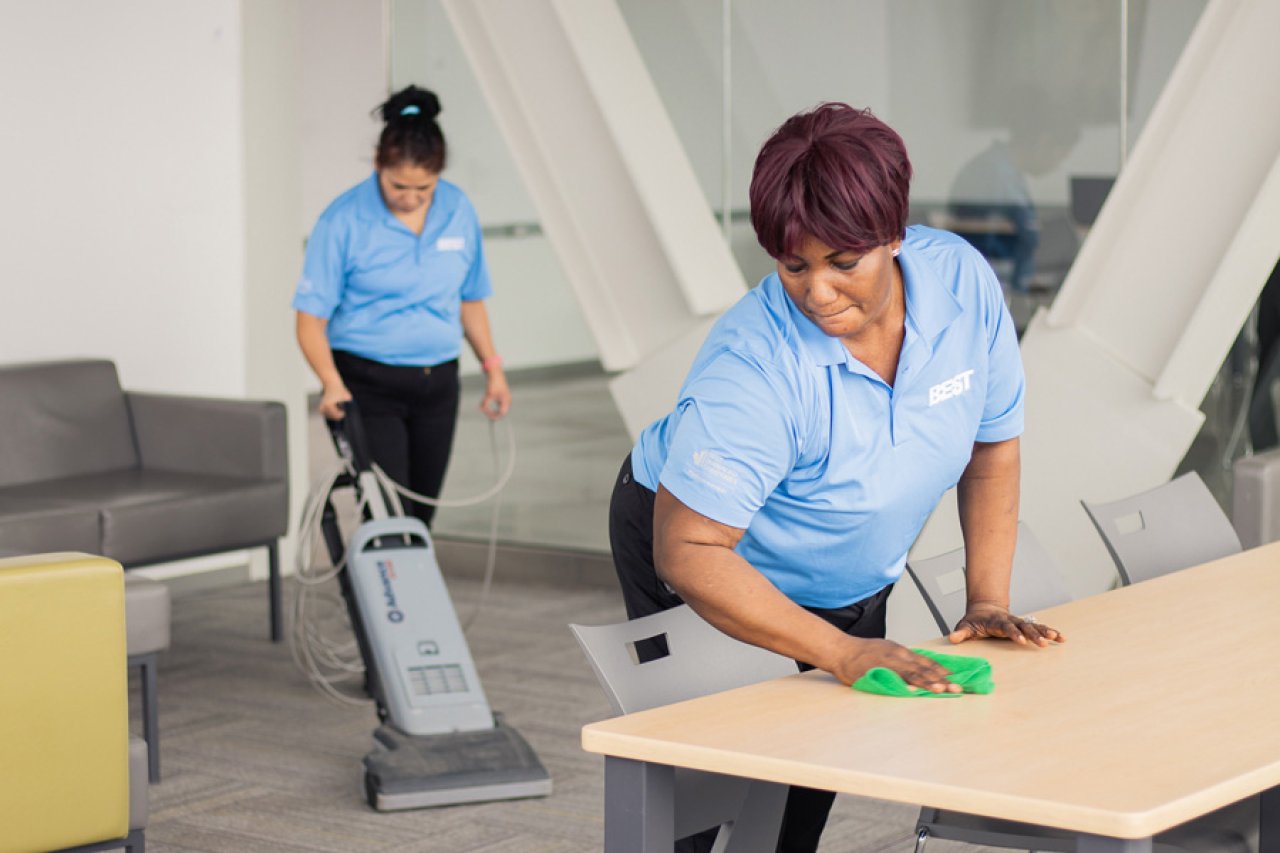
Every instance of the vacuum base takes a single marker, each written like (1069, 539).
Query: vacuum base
(421, 771)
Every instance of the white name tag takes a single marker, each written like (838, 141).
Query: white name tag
(451, 244)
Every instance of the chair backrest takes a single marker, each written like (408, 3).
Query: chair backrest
(1035, 583)
(64, 720)
(1171, 527)
(63, 419)
(701, 660)
(1085, 196)
(1255, 495)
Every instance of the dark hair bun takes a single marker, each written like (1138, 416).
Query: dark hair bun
(411, 102)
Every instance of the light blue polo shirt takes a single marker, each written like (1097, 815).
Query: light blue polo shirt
(389, 294)
(832, 472)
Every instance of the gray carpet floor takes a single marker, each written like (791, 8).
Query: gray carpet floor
(256, 759)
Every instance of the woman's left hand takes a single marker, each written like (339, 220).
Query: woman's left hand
(497, 396)
(991, 620)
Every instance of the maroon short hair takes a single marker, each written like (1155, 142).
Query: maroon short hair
(835, 173)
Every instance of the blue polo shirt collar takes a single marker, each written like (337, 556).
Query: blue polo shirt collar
(369, 204)
(822, 348)
(931, 307)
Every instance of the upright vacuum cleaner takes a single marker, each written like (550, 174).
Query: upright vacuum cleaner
(438, 743)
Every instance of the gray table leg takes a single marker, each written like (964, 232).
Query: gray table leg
(639, 806)
(1102, 844)
(1269, 821)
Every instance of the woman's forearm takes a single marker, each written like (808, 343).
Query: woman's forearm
(313, 340)
(475, 328)
(696, 557)
(988, 495)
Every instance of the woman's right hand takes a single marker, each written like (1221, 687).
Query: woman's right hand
(916, 670)
(331, 400)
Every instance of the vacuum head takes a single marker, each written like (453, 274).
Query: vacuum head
(419, 771)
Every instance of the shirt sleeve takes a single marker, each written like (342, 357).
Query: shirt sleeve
(734, 442)
(1002, 413)
(477, 284)
(320, 287)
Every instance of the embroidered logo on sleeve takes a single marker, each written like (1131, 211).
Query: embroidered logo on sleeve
(451, 244)
(305, 285)
(953, 387)
(708, 468)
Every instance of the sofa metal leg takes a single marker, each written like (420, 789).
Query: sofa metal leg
(274, 591)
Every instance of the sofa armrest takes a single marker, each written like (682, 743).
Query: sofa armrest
(206, 435)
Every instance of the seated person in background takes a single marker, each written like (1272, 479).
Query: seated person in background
(991, 202)
(824, 417)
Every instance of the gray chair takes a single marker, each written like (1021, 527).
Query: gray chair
(701, 660)
(1035, 584)
(1173, 526)
(1255, 498)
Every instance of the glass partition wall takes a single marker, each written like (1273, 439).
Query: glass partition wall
(1017, 114)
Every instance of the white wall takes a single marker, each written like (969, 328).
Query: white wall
(120, 156)
(272, 183)
(149, 157)
(344, 66)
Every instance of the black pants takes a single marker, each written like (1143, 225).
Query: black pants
(631, 540)
(409, 416)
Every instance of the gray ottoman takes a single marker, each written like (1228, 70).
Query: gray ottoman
(146, 616)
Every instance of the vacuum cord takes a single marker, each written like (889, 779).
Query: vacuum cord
(319, 613)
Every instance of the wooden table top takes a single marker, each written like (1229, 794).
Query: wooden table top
(1163, 705)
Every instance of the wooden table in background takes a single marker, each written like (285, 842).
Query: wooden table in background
(1162, 706)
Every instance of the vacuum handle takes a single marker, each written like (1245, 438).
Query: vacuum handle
(349, 437)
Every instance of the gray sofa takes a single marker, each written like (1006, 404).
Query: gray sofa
(140, 478)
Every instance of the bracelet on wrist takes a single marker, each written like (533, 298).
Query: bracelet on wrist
(491, 362)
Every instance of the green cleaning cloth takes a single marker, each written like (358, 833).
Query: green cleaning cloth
(973, 674)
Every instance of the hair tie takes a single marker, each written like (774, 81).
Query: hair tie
(411, 110)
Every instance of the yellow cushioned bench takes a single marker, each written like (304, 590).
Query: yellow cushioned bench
(64, 721)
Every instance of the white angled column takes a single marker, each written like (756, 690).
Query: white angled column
(613, 188)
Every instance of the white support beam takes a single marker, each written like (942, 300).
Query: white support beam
(614, 190)
(646, 140)
(1228, 299)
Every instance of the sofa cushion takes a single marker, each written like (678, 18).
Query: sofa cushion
(62, 419)
(148, 516)
(32, 526)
